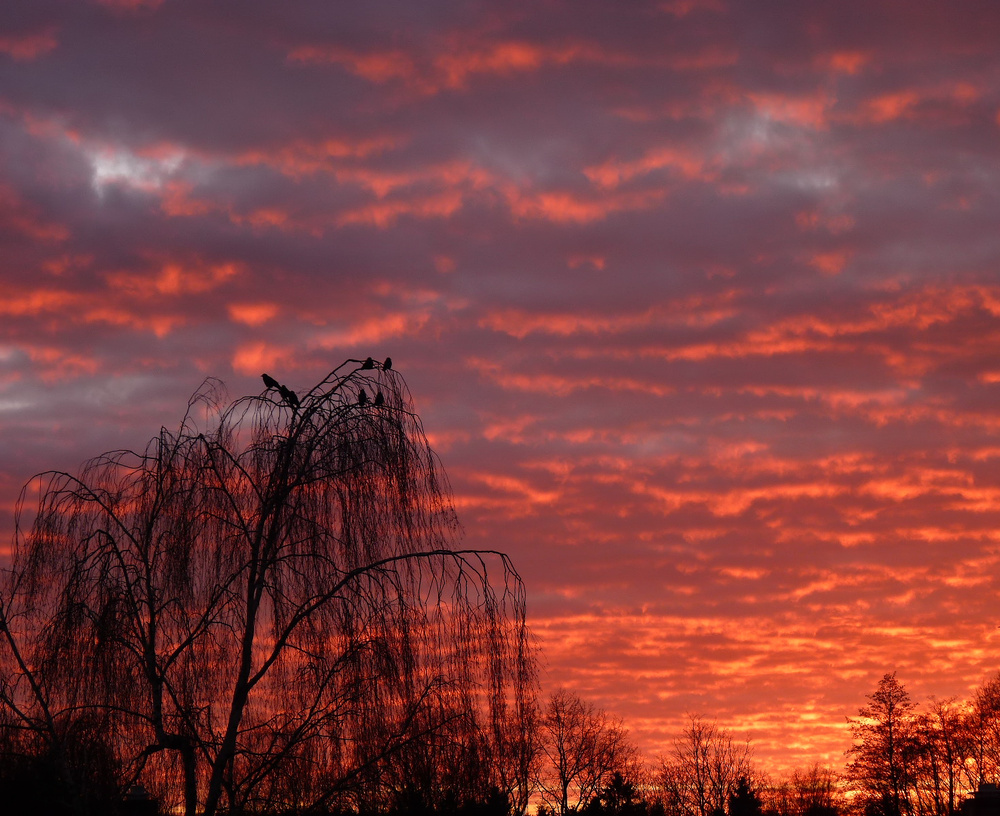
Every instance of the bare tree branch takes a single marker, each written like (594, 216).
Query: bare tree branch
(270, 604)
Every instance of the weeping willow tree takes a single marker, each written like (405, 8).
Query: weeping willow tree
(269, 608)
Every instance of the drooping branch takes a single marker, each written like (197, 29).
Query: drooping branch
(274, 591)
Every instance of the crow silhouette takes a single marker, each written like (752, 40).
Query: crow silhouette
(387, 364)
(379, 399)
(269, 381)
(369, 363)
(290, 396)
(362, 397)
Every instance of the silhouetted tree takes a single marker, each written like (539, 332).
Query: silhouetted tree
(703, 770)
(75, 776)
(942, 747)
(744, 799)
(267, 606)
(805, 792)
(814, 792)
(882, 757)
(620, 797)
(581, 748)
(984, 732)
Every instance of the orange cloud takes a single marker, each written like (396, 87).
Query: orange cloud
(550, 382)
(520, 490)
(835, 224)
(253, 314)
(831, 263)
(571, 208)
(76, 308)
(803, 111)
(459, 61)
(386, 213)
(18, 215)
(372, 330)
(173, 279)
(687, 164)
(887, 107)
(917, 311)
(595, 261)
(33, 302)
(67, 263)
(911, 103)
(434, 191)
(176, 200)
(700, 311)
(57, 364)
(451, 174)
(263, 217)
(159, 324)
(380, 66)
(28, 46)
(302, 158)
(846, 62)
(256, 357)
(498, 59)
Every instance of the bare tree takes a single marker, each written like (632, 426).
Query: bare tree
(266, 606)
(984, 730)
(704, 769)
(811, 791)
(942, 750)
(881, 765)
(581, 749)
(816, 792)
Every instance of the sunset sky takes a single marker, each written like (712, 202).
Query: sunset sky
(699, 302)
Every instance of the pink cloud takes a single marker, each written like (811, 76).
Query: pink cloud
(29, 46)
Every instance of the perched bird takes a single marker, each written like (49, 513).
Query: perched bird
(369, 363)
(379, 399)
(387, 364)
(290, 396)
(269, 381)
(362, 397)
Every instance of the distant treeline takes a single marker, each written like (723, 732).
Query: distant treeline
(905, 760)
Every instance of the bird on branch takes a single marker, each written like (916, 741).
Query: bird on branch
(269, 381)
(290, 396)
(387, 364)
(379, 399)
(369, 363)
(362, 397)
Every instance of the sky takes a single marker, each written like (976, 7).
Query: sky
(698, 300)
